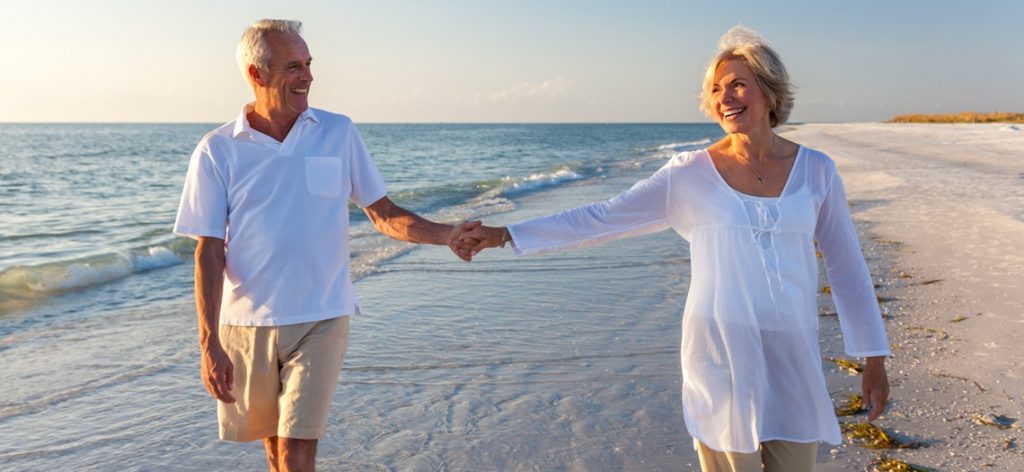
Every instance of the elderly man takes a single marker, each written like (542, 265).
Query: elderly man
(266, 195)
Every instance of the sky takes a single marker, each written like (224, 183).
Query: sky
(500, 61)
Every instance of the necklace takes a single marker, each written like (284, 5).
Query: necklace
(759, 172)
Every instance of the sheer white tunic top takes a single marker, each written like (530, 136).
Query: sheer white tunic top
(750, 356)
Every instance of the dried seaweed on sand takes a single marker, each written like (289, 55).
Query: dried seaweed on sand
(873, 437)
(854, 404)
(852, 367)
(885, 464)
(998, 421)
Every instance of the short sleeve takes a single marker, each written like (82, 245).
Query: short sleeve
(203, 210)
(367, 184)
(853, 291)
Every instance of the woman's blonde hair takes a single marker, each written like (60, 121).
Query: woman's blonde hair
(745, 45)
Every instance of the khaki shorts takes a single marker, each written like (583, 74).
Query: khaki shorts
(284, 378)
(776, 456)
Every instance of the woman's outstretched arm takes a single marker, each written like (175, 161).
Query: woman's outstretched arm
(640, 210)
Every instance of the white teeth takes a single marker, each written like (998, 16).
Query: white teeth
(732, 111)
(300, 90)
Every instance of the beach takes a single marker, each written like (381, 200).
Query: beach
(567, 362)
(942, 206)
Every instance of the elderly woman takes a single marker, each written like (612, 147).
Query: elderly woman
(751, 207)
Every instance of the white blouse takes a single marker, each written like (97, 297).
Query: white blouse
(750, 356)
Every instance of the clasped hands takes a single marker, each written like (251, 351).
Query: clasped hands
(468, 239)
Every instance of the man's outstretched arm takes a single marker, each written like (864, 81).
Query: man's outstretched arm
(404, 225)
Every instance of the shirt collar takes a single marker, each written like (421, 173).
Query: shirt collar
(242, 122)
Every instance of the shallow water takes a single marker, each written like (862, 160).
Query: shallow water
(568, 362)
(86, 204)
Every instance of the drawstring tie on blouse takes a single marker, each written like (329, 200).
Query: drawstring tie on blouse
(765, 229)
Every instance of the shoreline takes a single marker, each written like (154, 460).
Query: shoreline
(942, 205)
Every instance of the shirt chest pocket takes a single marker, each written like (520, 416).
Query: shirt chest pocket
(323, 176)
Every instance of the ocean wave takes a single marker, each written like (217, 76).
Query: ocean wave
(371, 250)
(676, 146)
(660, 152)
(52, 234)
(475, 192)
(542, 180)
(21, 284)
(77, 154)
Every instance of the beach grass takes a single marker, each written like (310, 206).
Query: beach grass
(965, 117)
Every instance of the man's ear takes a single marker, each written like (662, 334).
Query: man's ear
(254, 75)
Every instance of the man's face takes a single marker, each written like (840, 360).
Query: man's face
(285, 86)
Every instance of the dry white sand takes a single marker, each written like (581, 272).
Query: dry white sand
(945, 204)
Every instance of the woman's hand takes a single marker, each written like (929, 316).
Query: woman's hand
(459, 247)
(483, 237)
(875, 386)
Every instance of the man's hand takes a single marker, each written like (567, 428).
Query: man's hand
(484, 237)
(875, 386)
(218, 373)
(457, 245)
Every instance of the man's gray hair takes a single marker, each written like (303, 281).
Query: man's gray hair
(749, 47)
(252, 48)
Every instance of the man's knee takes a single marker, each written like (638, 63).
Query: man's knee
(296, 444)
(297, 454)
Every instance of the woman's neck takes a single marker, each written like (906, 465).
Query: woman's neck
(754, 147)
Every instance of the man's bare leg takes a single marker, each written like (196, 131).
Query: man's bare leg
(270, 444)
(296, 455)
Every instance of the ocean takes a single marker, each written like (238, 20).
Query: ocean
(568, 362)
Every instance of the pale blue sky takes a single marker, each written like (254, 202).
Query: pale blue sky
(502, 61)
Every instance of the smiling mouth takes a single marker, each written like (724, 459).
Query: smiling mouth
(732, 112)
(302, 91)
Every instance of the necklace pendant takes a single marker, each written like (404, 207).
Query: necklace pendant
(759, 179)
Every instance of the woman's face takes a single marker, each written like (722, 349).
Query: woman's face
(738, 101)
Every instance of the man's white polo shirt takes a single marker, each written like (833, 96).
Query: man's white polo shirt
(282, 207)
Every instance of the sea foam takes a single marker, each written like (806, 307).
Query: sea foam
(542, 180)
(677, 146)
(67, 275)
